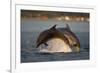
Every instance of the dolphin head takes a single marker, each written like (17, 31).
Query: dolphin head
(73, 39)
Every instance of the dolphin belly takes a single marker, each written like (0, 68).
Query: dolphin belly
(55, 45)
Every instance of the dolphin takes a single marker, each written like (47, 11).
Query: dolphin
(72, 38)
(67, 36)
(49, 34)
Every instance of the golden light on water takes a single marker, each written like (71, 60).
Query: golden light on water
(59, 18)
(82, 18)
(68, 16)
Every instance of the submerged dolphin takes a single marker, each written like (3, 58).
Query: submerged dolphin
(72, 38)
(68, 37)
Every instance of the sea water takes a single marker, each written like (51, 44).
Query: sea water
(30, 30)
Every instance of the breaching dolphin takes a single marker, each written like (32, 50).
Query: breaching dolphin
(68, 37)
(49, 34)
(72, 38)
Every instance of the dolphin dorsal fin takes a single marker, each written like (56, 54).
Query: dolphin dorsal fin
(67, 26)
(53, 27)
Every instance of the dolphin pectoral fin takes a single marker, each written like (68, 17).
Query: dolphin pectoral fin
(40, 44)
(45, 44)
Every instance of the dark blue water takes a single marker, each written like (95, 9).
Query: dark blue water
(30, 31)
